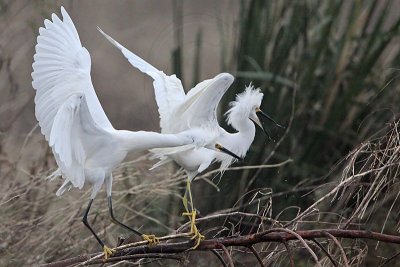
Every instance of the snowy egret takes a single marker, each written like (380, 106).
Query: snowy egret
(197, 110)
(84, 143)
(243, 115)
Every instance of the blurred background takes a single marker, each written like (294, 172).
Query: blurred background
(328, 70)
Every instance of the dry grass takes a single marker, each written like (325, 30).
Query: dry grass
(375, 164)
(360, 192)
(39, 227)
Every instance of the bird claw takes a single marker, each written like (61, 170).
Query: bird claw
(193, 228)
(197, 236)
(152, 239)
(108, 251)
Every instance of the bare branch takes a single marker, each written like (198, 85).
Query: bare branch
(302, 241)
(226, 252)
(389, 259)
(219, 257)
(251, 167)
(131, 257)
(325, 251)
(346, 261)
(256, 255)
(280, 235)
(289, 253)
(332, 192)
(223, 215)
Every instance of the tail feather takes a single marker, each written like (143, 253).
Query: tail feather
(67, 185)
(159, 153)
(54, 175)
(162, 161)
(164, 154)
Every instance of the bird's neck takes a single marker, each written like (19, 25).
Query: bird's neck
(245, 135)
(240, 141)
(245, 127)
(143, 140)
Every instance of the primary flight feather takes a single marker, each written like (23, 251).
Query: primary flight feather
(85, 145)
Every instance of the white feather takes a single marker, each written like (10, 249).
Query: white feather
(197, 110)
(61, 78)
(180, 112)
(83, 141)
(168, 89)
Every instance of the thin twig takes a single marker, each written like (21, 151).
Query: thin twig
(333, 191)
(130, 257)
(325, 251)
(256, 255)
(250, 167)
(289, 253)
(346, 261)
(301, 241)
(219, 257)
(223, 215)
(228, 256)
(389, 259)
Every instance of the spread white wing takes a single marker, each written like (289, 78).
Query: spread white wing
(179, 112)
(66, 105)
(200, 106)
(168, 89)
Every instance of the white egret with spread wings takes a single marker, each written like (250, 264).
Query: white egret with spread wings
(197, 110)
(85, 145)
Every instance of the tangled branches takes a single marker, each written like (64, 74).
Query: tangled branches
(175, 250)
(335, 236)
(371, 177)
(330, 231)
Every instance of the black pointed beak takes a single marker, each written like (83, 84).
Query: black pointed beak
(262, 128)
(226, 151)
(261, 113)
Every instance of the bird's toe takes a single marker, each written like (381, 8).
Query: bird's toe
(152, 239)
(108, 251)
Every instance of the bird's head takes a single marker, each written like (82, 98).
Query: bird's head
(247, 107)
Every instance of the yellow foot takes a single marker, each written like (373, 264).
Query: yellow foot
(197, 236)
(152, 239)
(108, 251)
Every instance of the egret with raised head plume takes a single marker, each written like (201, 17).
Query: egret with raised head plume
(197, 110)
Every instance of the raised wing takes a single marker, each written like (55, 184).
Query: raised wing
(66, 104)
(200, 106)
(198, 110)
(179, 112)
(168, 90)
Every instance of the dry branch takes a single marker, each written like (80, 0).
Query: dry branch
(345, 260)
(257, 256)
(172, 250)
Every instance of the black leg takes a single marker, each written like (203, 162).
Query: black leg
(118, 222)
(85, 221)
